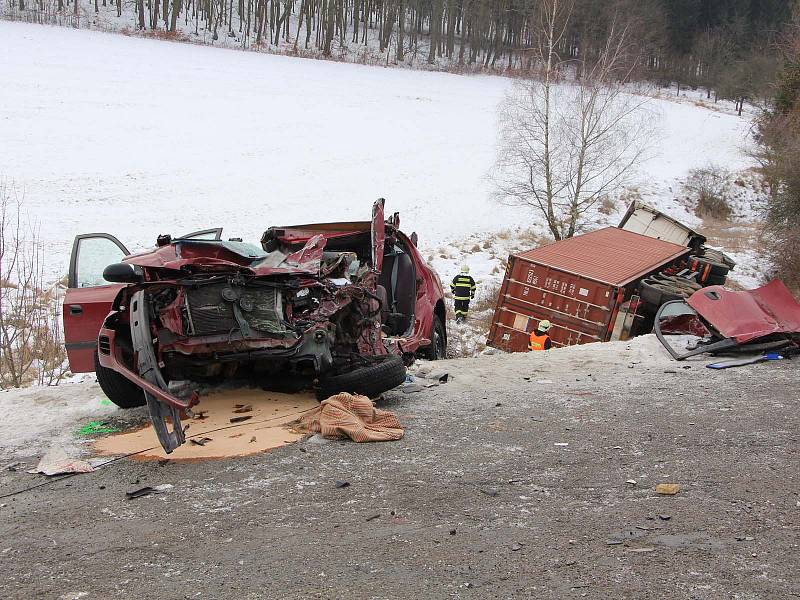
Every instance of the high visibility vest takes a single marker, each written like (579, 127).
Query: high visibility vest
(537, 341)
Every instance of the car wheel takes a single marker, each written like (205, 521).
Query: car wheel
(437, 350)
(649, 293)
(385, 373)
(670, 292)
(678, 282)
(716, 280)
(119, 390)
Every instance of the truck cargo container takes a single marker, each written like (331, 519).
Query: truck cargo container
(586, 286)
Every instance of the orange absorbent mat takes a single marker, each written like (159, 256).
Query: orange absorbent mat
(215, 436)
(355, 417)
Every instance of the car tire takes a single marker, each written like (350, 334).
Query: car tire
(386, 373)
(677, 282)
(716, 280)
(670, 292)
(119, 390)
(649, 293)
(437, 350)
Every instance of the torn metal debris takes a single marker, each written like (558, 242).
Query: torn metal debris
(760, 320)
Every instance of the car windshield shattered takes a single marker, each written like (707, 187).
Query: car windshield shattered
(243, 249)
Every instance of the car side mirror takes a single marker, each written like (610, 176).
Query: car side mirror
(121, 273)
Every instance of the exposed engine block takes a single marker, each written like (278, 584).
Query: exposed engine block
(223, 308)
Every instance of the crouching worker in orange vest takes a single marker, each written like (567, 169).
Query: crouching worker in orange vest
(539, 338)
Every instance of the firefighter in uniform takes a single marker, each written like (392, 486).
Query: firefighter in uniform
(463, 288)
(539, 338)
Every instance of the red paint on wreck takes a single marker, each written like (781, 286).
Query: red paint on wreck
(204, 256)
(751, 314)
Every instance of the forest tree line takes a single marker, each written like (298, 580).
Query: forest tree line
(778, 136)
(721, 45)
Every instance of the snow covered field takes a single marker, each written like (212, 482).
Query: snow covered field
(137, 137)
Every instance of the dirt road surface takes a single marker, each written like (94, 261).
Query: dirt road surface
(503, 487)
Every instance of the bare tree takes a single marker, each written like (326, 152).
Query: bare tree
(31, 345)
(565, 145)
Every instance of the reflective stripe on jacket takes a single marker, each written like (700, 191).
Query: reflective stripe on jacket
(538, 342)
(463, 287)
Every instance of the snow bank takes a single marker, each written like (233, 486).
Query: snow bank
(33, 419)
(138, 137)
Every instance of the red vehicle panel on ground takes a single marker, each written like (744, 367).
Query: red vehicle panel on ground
(750, 314)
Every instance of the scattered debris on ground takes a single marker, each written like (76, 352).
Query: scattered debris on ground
(93, 428)
(468, 479)
(57, 462)
(147, 491)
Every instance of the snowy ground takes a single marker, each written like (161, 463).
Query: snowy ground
(102, 132)
(136, 137)
(139, 137)
(35, 418)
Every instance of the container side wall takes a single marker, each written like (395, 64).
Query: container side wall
(579, 309)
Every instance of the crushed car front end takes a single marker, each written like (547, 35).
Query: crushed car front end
(207, 310)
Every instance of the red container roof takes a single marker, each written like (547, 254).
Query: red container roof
(612, 256)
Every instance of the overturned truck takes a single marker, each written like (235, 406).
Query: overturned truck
(604, 285)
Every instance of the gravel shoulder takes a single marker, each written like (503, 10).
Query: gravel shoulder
(481, 499)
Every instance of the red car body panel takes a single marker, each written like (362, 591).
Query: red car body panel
(217, 258)
(113, 361)
(84, 311)
(751, 314)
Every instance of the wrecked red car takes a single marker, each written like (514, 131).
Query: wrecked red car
(725, 321)
(337, 306)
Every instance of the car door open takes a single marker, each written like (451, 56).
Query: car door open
(89, 297)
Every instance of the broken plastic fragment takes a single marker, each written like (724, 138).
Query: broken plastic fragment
(668, 489)
(147, 490)
(95, 427)
(56, 462)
